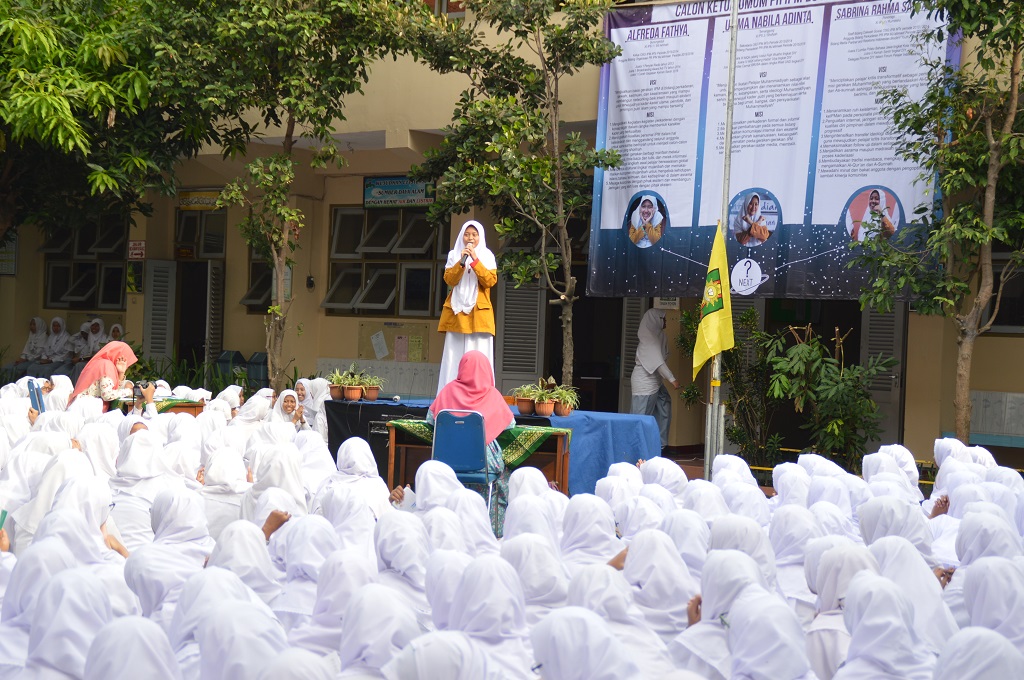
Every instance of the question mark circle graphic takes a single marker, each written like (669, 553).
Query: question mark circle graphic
(746, 277)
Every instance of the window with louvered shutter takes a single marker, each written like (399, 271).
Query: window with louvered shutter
(158, 331)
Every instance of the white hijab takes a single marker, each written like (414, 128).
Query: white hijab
(131, 647)
(443, 654)
(744, 534)
(662, 585)
(978, 654)
(36, 342)
(435, 483)
(791, 483)
(573, 643)
(317, 465)
(635, 515)
(883, 643)
(765, 639)
(792, 528)
(299, 664)
(604, 591)
(588, 532)
(95, 340)
(489, 606)
(443, 530)
(651, 351)
(238, 640)
(476, 526)
(351, 517)
(631, 473)
(465, 292)
(242, 549)
(72, 609)
(706, 500)
(729, 573)
(900, 562)
(664, 472)
(57, 344)
(311, 539)
(156, 574)
(357, 469)
(204, 592)
(888, 516)
(994, 596)
(279, 467)
(691, 534)
(529, 514)
(544, 578)
(747, 501)
(100, 445)
(277, 414)
(402, 549)
(444, 571)
(179, 521)
(378, 625)
(343, 574)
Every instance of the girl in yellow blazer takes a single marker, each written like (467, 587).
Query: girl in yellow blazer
(467, 319)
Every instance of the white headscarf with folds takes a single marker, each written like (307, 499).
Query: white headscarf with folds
(765, 639)
(662, 585)
(378, 625)
(342, 575)
(883, 644)
(444, 654)
(573, 643)
(465, 292)
(238, 640)
(131, 647)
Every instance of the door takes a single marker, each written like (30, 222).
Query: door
(192, 316)
(214, 310)
(158, 320)
(885, 334)
(519, 347)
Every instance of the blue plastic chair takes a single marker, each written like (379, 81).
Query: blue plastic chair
(459, 443)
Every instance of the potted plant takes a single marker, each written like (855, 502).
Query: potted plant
(371, 385)
(524, 398)
(348, 383)
(566, 399)
(336, 378)
(543, 402)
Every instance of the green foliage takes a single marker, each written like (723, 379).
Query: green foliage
(842, 417)
(82, 133)
(180, 372)
(746, 372)
(567, 395)
(527, 391)
(506, 147)
(271, 225)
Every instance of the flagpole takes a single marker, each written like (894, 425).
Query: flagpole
(714, 425)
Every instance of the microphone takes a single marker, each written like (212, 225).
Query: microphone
(464, 259)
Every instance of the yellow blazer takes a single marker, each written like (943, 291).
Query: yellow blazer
(481, 319)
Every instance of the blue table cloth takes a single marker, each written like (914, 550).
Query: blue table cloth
(600, 439)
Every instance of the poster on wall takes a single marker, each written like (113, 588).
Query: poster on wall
(812, 166)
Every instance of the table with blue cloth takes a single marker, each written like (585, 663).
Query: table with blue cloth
(598, 438)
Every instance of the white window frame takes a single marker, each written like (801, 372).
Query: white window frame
(359, 300)
(104, 267)
(80, 276)
(347, 269)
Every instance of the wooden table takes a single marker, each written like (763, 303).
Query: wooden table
(406, 453)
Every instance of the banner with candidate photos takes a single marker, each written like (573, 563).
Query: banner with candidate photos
(813, 165)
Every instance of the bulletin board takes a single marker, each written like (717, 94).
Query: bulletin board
(406, 341)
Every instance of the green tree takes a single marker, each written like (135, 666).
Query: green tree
(80, 133)
(841, 415)
(281, 68)
(965, 132)
(507, 147)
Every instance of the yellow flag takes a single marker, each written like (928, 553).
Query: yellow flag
(714, 334)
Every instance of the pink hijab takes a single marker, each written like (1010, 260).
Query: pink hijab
(103, 365)
(473, 390)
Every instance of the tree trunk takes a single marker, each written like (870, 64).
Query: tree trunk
(567, 346)
(962, 392)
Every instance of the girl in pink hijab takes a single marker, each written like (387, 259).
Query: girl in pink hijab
(103, 376)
